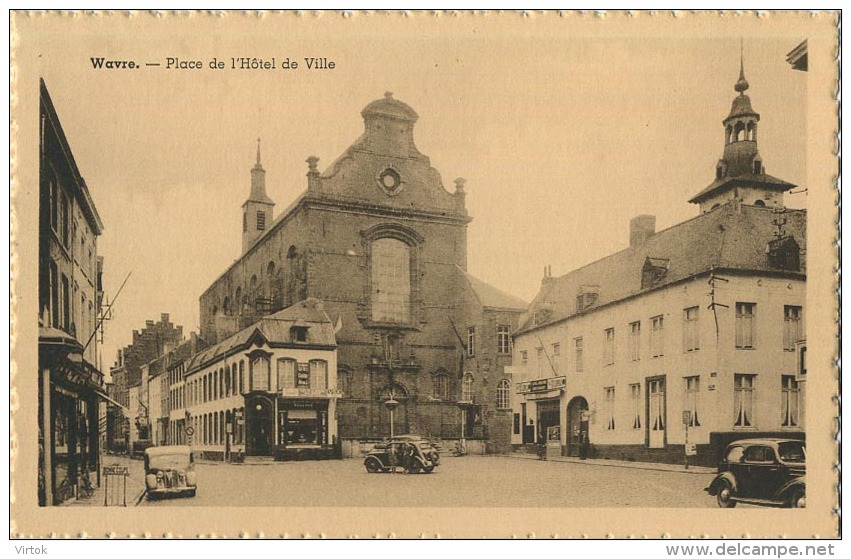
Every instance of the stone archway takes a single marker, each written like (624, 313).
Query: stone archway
(577, 425)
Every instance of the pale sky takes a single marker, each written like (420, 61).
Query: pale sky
(562, 138)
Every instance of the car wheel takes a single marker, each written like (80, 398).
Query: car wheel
(414, 467)
(798, 500)
(725, 495)
(192, 493)
(372, 465)
(428, 469)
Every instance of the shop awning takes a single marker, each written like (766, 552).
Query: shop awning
(103, 396)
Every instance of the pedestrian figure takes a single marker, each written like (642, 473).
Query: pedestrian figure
(391, 453)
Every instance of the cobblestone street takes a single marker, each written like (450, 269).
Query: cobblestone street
(467, 481)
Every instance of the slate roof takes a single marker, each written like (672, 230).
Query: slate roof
(732, 237)
(491, 297)
(749, 179)
(275, 328)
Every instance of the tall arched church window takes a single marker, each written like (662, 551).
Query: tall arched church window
(440, 383)
(391, 280)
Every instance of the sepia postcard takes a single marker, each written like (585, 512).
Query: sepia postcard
(424, 274)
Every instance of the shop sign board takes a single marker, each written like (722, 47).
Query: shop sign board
(691, 449)
(542, 385)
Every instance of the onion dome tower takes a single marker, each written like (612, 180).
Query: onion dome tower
(740, 173)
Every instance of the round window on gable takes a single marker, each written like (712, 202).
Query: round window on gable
(389, 179)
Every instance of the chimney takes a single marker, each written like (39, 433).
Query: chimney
(641, 228)
(547, 280)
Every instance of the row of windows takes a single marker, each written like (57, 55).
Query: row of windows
(745, 327)
(503, 340)
(277, 286)
(744, 390)
(78, 321)
(224, 382)
(228, 381)
(64, 226)
(211, 428)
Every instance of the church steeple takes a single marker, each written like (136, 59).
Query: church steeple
(740, 173)
(257, 210)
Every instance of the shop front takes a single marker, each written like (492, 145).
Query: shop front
(68, 436)
(544, 397)
(304, 429)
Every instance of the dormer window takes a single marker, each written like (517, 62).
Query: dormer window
(653, 271)
(784, 253)
(298, 334)
(587, 297)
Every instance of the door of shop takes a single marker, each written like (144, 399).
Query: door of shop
(548, 416)
(577, 425)
(261, 426)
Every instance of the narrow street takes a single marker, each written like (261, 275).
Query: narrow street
(468, 481)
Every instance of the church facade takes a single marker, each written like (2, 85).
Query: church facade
(383, 244)
(684, 341)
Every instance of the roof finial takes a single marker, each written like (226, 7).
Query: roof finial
(742, 85)
(258, 151)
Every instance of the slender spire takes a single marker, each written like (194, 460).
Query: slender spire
(258, 151)
(742, 85)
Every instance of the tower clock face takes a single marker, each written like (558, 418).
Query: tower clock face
(389, 179)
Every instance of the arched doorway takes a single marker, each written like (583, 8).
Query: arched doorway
(577, 425)
(259, 411)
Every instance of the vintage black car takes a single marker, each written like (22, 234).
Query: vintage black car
(170, 470)
(410, 454)
(762, 472)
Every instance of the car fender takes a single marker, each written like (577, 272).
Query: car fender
(790, 487)
(376, 456)
(713, 487)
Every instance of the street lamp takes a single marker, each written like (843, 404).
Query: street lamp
(391, 404)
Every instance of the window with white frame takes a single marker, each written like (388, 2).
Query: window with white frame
(286, 373)
(578, 350)
(503, 395)
(743, 400)
(609, 347)
(318, 374)
(635, 401)
(791, 326)
(745, 315)
(656, 388)
(610, 408)
(789, 401)
(657, 332)
(471, 341)
(692, 399)
(635, 340)
(391, 280)
(259, 374)
(503, 339)
(691, 329)
(467, 388)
